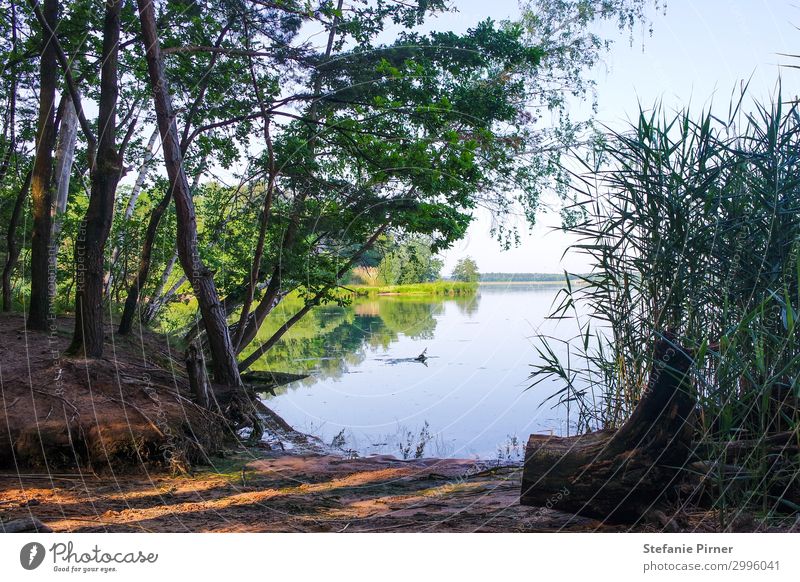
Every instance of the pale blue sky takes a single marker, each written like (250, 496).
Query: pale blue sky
(699, 51)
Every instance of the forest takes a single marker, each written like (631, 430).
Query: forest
(200, 201)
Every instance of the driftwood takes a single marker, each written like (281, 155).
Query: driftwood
(263, 382)
(24, 525)
(618, 476)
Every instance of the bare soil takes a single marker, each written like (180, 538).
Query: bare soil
(269, 491)
(286, 493)
(128, 408)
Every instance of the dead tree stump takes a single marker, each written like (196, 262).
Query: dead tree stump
(617, 476)
(196, 372)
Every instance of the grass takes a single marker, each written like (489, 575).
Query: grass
(436, 288)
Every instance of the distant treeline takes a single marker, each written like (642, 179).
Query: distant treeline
(523, 277)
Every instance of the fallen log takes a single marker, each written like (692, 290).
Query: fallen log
(24, 525)
(267, 381)
(779, 443)
(618, 476)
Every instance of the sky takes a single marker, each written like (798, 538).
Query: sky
(699, 52)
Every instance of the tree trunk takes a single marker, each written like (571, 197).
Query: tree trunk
(224, 359)
(65, 155)
(11, 240)
(161, 297)
(132, 300)
(89, 250)
(618, 476)
(196, 371)
(248, 327)
(134, 197)
(41, 180)
(10, 121)
(272, 295)
(230, 303)
(255, 269)
(141, 176)
(9, 138)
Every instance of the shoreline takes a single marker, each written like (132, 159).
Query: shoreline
(543, 283)
(431, 289)
(256, 489)
(214, 480)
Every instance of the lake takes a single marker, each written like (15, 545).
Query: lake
(366, 394)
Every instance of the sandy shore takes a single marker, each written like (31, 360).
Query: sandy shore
(287, 493)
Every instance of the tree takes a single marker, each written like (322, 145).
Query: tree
(88, 336)
(338, 147)
(466, 270)
(404, 153)
(12, 161)
(103, 159)
(41, 179)
(206, 102)
(224, 359)
(408, 142)
(407, 261)
(12, 245)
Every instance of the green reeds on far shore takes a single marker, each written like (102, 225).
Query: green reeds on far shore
(438, 288)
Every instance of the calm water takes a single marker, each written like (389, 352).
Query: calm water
(366, 394)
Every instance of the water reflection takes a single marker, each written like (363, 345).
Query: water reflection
(367, 393)
(331, 340)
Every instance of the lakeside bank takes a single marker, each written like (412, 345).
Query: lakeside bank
(433, 288)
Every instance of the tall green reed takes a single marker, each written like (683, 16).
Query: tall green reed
(693, 226)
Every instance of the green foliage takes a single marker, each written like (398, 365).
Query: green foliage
(404, 136)
(409, 260)
(466, 269)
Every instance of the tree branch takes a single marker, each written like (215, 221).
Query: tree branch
(217, 50)
(203, 87)
(267, 345)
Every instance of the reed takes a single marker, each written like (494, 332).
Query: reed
(693, 226)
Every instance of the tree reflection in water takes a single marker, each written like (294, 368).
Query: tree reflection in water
(331, 339)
